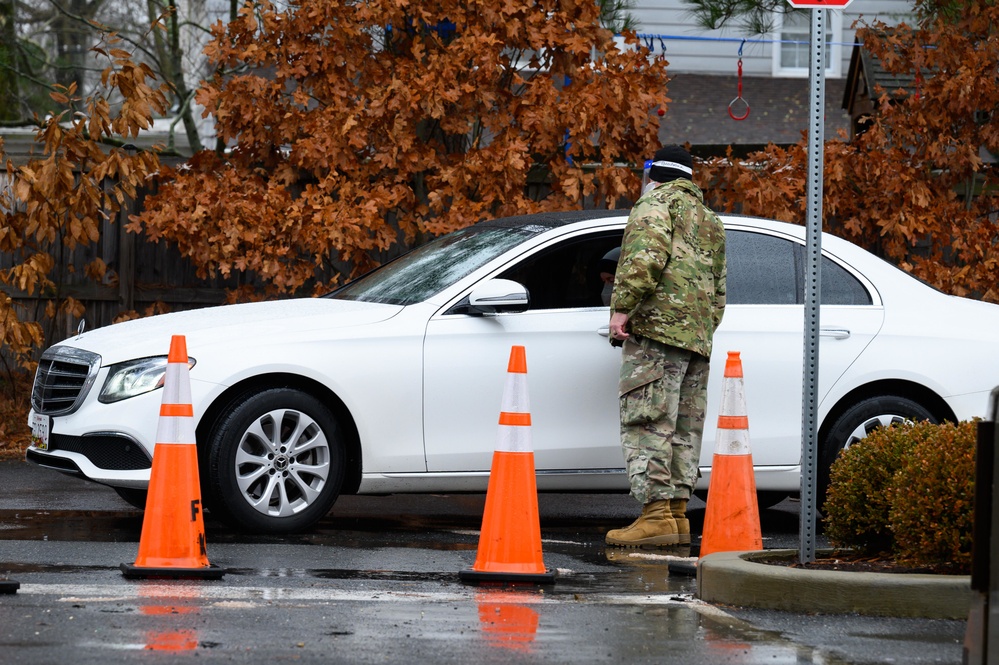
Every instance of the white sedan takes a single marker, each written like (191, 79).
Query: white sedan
(394, 382)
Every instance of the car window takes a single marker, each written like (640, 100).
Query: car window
(767, 270)
(567, 274)
(762, 269)
(839, 287)
(428, 269)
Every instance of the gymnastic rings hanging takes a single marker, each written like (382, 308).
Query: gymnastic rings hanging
(739, 103)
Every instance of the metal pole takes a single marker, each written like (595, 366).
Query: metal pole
(813, 285)
(981, 637)
(991, 646)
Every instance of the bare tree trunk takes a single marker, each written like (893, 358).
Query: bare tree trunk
(10, 94)
(176, 68)
(71, 42)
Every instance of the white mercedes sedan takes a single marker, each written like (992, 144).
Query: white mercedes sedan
(393, 383)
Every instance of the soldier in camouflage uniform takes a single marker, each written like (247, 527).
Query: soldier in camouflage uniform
(668, 298)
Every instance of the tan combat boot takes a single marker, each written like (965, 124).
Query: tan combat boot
(655, 526)
(678, 507)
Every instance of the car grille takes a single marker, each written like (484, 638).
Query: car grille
(63, 379)
(105, 451)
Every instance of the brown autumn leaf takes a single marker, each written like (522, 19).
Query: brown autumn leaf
(355, 157)
(59, 196)
(913, 188)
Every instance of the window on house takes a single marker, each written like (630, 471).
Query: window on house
(793, 50)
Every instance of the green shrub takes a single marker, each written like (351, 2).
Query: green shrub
(907, 491)
(861, 486)
(931, 514)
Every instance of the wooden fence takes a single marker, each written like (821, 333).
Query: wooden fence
(140, 274)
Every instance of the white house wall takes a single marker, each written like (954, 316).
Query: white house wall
(718, 55)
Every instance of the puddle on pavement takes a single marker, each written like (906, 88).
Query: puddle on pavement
(496, 625)
(345, 574)
(70, 525)
(125, 526)
(26, 568)
(627, 570)
(434, 533)
(920, 638)
(639, 572)
(644, 579)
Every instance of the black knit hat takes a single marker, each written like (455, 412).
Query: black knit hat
(608, 263)
(671, 162)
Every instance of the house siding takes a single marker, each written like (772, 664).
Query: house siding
(703, 71)
(697, 50)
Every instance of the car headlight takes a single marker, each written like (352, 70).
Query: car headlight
(135, 377)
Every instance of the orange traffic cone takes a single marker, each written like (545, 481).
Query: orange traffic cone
(510, 539)
(172, 543)
(732, 518)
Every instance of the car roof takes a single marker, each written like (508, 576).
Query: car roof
(551, 220)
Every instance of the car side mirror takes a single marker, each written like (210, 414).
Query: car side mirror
(498, 295)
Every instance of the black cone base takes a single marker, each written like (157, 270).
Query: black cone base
(132, 572)
(470, 576)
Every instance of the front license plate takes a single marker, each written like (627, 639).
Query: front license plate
(40, 426)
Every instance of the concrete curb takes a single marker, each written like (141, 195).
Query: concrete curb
(741, 579)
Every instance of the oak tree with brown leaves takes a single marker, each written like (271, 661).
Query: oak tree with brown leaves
(919, 187)
(53, 206)
(357, 129)
(55, 202)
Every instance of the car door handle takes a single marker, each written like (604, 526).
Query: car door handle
(835, 333)
(604, 332)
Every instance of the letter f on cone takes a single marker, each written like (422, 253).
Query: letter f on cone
(732, 517)
(172, 543)
(510, 539)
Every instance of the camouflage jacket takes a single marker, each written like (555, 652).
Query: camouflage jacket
(671, 275)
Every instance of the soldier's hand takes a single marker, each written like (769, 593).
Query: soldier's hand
(618, 325)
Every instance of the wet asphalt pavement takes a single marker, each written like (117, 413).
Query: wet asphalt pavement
(377, 582)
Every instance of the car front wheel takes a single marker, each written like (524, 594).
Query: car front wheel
(275, 461)
(860, 420)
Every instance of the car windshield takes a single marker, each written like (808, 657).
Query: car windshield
(428, 269)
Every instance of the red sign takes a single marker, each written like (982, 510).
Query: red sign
(819, 4)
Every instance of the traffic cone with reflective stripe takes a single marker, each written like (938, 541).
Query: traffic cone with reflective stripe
(510, 539)
(172, 543)
(732, 517)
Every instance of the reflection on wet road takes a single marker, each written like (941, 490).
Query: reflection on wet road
(377, 582)
(455, 624)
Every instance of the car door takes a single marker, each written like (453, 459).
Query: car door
(764, 322)
(572, 369)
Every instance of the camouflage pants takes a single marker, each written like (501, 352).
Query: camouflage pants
(663, 396)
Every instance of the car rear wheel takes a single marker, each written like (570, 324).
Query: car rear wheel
(860, 420)
(276, 462)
